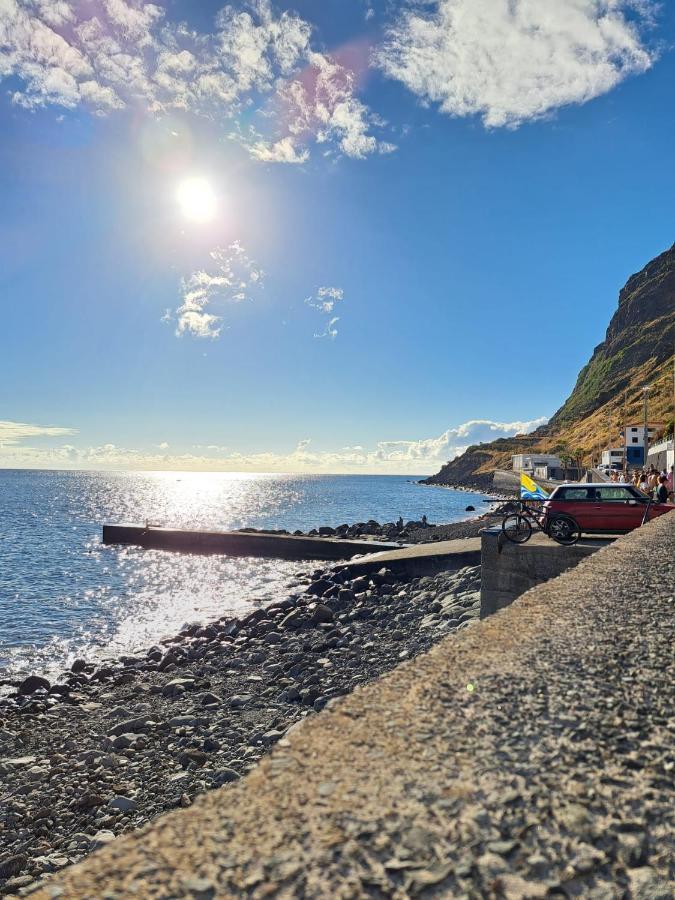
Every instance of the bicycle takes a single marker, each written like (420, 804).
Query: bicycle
(518, 527)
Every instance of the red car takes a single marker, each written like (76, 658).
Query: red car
(605, 508)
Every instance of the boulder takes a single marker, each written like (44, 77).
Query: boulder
(33, 683)
(318, 588)
(322, 613)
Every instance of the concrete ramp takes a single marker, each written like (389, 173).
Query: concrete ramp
(240, 543)
(424, 559)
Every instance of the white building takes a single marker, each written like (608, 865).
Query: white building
(635, 442)
(528, 462)
(612, 456)
(662, 455)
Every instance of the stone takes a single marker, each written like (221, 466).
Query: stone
(123, 741)
(101, 839)
(209, 699)
(12, 865)
(239, 700)
(322, 613)
(182, 722)
(225, 776)
(295, 619)
(318, 588)
(192, 758)
(88, 801)
(123, 804)
(272, 637)
(33, 683)
(178, 686)
(133, 726)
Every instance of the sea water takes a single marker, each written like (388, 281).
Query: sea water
(63, 594)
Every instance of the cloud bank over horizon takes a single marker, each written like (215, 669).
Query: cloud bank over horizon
(405, 457)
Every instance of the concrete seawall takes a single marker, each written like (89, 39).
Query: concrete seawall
(529, 756)
(508, 570)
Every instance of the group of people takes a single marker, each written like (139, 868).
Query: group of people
(657, 485)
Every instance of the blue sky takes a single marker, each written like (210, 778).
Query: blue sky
(336, 236)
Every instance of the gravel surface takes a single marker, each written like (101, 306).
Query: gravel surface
(112, 747)
(529, 756)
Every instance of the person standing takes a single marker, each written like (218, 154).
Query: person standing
(661, 493)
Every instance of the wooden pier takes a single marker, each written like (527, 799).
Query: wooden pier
(241, 543)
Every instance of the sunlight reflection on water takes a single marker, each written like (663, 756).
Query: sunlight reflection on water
(62, 593)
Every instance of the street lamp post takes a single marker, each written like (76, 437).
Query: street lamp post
(645, 392)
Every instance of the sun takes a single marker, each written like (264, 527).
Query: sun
(197, 199)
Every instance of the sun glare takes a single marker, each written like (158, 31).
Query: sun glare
(197, 199)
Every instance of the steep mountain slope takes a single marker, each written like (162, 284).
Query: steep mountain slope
(637, 351)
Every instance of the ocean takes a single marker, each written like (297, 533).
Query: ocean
(63, 594)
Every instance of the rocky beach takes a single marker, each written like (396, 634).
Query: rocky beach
(110, 746)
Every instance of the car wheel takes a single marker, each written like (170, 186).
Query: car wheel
(517, 529)
(564, 529)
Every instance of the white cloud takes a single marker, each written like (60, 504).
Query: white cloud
(281, 151)
(330, 330)
(320, 104)
(454, 441)
(116, 52)
(232, 278)
(12, 433)
(414, 457)
(324, 301)
(509, 61)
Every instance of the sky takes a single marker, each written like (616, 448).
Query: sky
(320, 236)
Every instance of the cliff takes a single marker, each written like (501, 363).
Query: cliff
(637, 350)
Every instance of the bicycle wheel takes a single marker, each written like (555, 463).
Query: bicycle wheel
(517, 529)
(564, 529)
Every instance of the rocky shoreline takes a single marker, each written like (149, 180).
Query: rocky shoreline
(411, 532)
(110, 747)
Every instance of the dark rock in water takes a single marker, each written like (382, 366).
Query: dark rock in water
(319, 588)
(78, 666)
(62, 689)
(470, 509)
(326, 531)
(33, 683)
